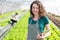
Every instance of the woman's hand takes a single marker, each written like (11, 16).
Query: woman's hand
(42, 36)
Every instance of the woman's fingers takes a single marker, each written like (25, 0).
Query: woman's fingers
(40, 37)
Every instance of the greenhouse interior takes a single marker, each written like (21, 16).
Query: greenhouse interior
(19, 29)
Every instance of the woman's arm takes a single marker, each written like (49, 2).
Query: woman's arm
(48, 30)
(45, 34)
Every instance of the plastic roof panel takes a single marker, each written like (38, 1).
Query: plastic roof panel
(50, 5)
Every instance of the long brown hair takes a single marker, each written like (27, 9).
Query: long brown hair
(42, 11)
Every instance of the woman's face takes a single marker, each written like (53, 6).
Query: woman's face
(35, 9)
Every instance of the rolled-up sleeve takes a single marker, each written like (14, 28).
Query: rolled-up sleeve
(46, 19)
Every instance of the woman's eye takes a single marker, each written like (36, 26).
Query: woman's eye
(37, 8)
(33, 7)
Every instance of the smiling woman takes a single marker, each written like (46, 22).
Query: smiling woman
(37, 22)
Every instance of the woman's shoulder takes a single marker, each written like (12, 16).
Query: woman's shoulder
(29, 19)
(45, 17)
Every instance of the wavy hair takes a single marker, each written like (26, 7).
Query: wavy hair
(42, 11)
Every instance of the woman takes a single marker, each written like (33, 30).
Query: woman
(37, 22)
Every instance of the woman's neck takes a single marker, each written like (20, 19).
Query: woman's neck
(36, 17)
